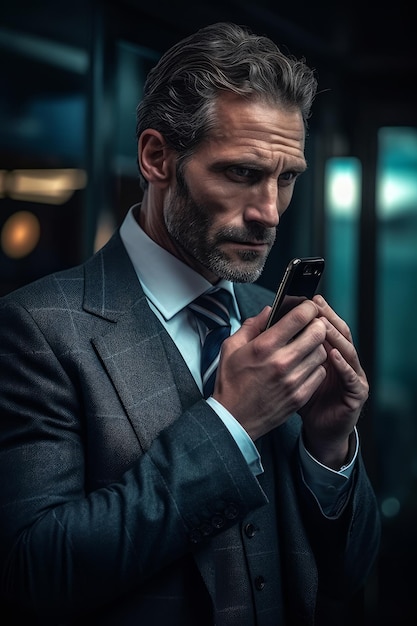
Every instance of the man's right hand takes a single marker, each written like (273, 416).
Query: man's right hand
(264, 376)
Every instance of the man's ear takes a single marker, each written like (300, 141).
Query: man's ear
(156, 159)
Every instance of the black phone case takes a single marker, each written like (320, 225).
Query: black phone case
(299, 282)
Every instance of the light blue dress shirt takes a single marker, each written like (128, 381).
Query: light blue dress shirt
(170, 286)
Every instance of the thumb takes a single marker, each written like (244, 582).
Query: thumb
(254, 326)
(251, 328)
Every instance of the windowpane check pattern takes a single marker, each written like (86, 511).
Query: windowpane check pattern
(212, 309)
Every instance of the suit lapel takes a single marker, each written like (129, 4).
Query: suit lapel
(146, 369)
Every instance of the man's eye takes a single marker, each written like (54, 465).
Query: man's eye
(241, 172)
(286, 178)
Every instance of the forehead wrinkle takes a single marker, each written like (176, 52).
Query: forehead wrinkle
(255, 154)
(266, 155)
(253, 132)
(259, 132)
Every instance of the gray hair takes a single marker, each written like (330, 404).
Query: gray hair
(181, 90)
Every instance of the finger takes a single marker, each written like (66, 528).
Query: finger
(342, 353)
(293, 322)
(326, 310)
(355, 383)
(252, 327)
(335, 339)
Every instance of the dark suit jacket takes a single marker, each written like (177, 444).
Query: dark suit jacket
(117, 478)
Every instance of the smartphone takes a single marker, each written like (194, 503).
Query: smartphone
(300, 282)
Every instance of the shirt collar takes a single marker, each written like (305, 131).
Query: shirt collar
(169, 283)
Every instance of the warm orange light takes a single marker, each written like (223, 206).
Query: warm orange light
(45, 186)
(20, 234)
(48, 186)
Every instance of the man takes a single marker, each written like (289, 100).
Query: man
(127, 497)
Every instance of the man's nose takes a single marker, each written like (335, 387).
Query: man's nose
(263, 205)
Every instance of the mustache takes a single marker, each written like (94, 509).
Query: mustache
(253, 233)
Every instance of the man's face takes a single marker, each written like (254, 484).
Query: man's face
(223, 209)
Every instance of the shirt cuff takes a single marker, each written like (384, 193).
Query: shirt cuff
(241, 437)
(327, 485)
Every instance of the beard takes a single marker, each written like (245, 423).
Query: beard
(189, 224)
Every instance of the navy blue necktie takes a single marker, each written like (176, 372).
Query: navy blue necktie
(212, 308)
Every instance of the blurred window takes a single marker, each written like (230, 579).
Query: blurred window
(396, 307)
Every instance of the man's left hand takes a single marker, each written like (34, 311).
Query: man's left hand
(331, 414)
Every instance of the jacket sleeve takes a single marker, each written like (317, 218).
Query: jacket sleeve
(334, 554)
(63, 547)
(345, 545)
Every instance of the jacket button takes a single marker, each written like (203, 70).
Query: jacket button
(259, 583)
(250, 530)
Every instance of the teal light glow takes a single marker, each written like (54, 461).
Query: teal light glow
(396, 189)
(343, 179)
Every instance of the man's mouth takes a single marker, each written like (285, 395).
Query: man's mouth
(247, 244)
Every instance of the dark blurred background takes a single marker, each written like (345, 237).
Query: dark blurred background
(71, 76)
